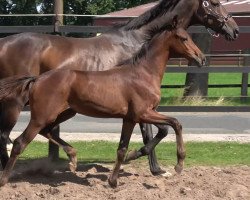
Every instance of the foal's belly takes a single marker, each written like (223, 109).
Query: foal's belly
(94, 110)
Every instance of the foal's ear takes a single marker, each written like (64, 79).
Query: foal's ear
(175, 21)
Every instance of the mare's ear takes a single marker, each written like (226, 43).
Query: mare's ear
(175, 21)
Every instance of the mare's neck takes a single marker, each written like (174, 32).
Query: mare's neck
(128, 39)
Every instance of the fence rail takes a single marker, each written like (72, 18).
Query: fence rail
(181, 69)
(210, 69)
(53, 150)
(86, 29)
(204, 108)
(194, 29)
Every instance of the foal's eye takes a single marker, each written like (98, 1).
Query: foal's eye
(183, 39)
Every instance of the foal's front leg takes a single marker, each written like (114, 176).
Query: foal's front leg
(127, 129)
(161, 122)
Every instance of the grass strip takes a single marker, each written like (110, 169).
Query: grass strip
(174, 96)
(198, 153)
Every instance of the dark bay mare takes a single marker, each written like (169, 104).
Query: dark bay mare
(33, 54)
(130, 91)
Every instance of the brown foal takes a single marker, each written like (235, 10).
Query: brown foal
(31, 54)
(130, 91)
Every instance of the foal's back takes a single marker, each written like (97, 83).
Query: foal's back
(89, 93)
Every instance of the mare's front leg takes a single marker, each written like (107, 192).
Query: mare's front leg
(161, 122)
(147, 135)
(9, 114)
(127, 129)
(19, 145)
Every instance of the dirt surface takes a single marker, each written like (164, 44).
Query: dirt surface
(42, 180)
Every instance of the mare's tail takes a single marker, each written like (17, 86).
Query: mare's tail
(16, 87)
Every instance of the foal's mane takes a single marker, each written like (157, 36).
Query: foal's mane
(158, 10)
(152, 34)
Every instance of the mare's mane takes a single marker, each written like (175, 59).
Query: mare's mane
(158, 10)
(152, 34)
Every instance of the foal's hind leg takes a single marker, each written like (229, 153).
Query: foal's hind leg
(161, 122)
(10, 111)
(147, 135)
(127, 129)
(19, 145)
(70, 151)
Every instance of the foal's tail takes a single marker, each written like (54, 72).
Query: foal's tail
(16, 87)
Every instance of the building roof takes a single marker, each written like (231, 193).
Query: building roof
(232, 6)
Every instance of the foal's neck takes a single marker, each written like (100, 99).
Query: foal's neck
(157, 54)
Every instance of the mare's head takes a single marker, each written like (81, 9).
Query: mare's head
(212, 14)
(181, 43)
(209, 13)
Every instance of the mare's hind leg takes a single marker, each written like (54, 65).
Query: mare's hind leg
(127, 129)
(10, 111)
(147, 135)
(161, 122)
(19, 145)
(69, 150)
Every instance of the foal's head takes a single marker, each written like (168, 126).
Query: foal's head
(181, 43)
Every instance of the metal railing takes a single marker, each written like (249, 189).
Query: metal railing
(181, 69)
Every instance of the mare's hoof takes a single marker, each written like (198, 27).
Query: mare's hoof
(132, 155)
(72, 167)
(158, 171)
(178, 168)
(112, 183)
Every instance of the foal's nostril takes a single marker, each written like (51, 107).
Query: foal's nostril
(203, 60)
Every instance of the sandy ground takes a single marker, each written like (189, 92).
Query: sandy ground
(42, 180)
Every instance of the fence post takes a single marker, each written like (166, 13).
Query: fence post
(244, 82)
(58, 19)
(54, 149)
(197, 84)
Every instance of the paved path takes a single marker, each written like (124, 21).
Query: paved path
(196, 126)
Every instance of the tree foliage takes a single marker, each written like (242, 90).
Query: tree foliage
(87, 7)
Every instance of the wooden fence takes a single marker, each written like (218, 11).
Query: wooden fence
(86, 29)
(53, 150)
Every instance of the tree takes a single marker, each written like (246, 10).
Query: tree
(197, 84)
(87, 7)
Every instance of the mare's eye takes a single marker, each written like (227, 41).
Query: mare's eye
(215, 3)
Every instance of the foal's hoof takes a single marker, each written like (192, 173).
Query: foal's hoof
(132, 155)
(3, 182)
(72, 167)
(112, 183)
(178, 168)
